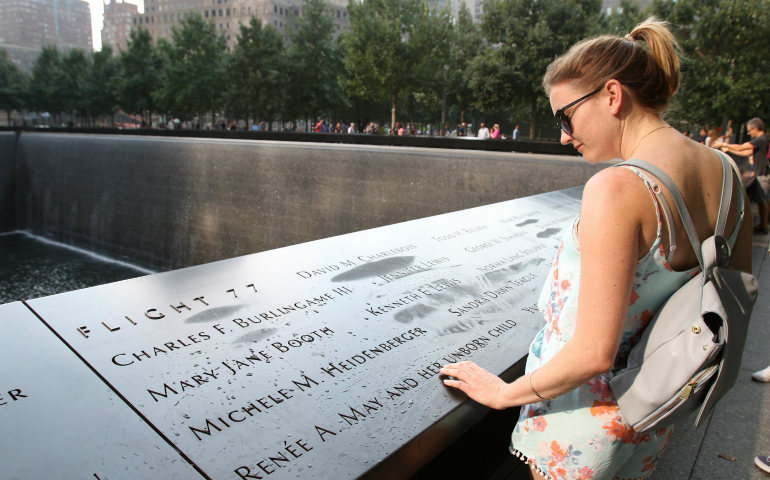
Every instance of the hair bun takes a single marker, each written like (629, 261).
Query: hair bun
(663, 47)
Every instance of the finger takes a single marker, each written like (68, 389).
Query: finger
(458, 374)
(454, 368)
(472, 367)
(456, 384)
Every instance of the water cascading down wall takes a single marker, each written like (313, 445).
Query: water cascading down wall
(167, 203)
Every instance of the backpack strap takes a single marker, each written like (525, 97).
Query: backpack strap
(727, 195)
(724, 206)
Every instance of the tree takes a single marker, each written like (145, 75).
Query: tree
(395, 46)
(192, 78)
(431, 36)
(47, 84)
(14, 85)
(726, 56)
(524, 36)
(102, 83)
(140, 66)
(314, 61)
(75, 74)
(467, 44)
(256, 72)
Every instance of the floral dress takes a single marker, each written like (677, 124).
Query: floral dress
(582, 434)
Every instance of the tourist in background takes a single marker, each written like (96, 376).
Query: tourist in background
(712, 137)
(515, 133)
(757, 149)
(483, 132)
(352, 128)
(616, 265)
(703, 136)
(495, 133)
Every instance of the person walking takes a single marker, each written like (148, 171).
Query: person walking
(616, 265)
(495, 133)
(483, 132)
(757, 149)
(352, 128)
(515, 133)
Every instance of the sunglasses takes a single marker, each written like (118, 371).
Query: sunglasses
(562, 120)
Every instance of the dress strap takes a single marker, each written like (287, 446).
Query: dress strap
(654, 188)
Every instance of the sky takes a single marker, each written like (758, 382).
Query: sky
(97, 18)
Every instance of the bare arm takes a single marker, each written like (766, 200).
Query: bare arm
(610, 225)
(743, 149)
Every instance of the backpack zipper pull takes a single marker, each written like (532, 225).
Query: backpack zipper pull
(688, 390)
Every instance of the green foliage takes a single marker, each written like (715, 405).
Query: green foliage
(398, 53)
(47, 83)
(140, 66)
(102, 83)
(256, 72)
(395, 46)
(524, 36)
(191, 79)
(14, 86)
(466, 44)
(74, 80)
(313, 60)
(727, 66)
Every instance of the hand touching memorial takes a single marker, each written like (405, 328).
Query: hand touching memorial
(477, 383)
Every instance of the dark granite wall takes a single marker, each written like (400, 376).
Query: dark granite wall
(166, 203)
(8, 221)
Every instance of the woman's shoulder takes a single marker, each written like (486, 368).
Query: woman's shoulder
(615, 198)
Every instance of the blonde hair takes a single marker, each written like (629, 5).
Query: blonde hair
(651, 73)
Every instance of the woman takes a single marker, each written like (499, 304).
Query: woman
(712, 136)
(614, 269)
(495, 134)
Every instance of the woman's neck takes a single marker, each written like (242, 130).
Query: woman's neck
(638, 130)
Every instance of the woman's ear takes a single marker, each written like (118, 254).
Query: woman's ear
(615, 96)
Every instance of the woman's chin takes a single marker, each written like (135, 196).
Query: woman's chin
(594, 157)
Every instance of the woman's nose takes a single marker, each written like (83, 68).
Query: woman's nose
(565, 138)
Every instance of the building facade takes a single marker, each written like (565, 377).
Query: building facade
(28, 25)
(118, 21)
(227, 15)
(613, 6)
